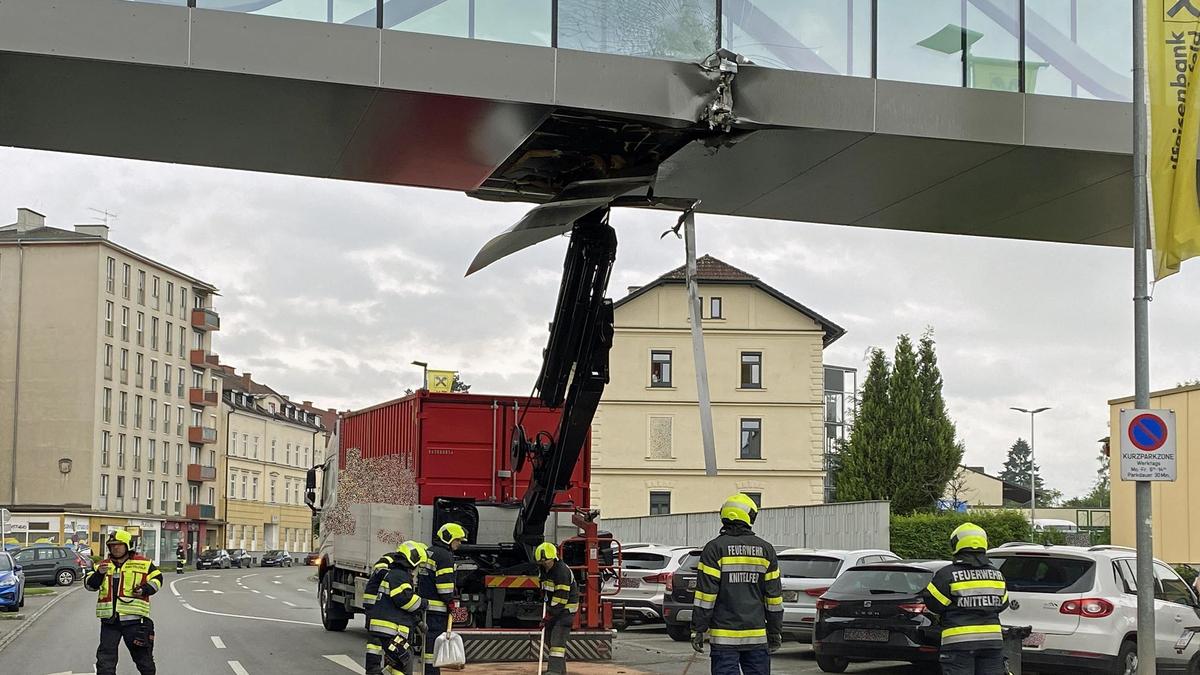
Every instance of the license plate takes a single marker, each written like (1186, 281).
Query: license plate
(691, 584)
(861, 635)
(1034, 640)
(630, 582)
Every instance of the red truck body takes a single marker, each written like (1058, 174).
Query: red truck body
(458, 444)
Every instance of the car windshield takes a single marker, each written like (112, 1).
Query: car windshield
(6, 563)
(210, 553)
(231, 551)
(808, 566)
(1045, 574)
(880, 581)
(643, 561)
(689, 563)
(274, 552)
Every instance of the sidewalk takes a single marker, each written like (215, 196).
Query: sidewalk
(11, 622)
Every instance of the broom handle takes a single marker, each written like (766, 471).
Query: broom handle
(542, 642)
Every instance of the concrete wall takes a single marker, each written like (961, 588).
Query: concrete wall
(1176, 505)
(648, 438)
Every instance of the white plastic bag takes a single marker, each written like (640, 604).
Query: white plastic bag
(448, 651)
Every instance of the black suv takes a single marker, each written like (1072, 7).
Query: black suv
(276, 559)
(214, 558)
(678, 597)
(49, 565)
(239, 557)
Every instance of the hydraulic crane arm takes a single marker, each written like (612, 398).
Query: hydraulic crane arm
(574, 372)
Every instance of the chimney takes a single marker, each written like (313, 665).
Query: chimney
(308, 404)
(93, 229)
(28, 219)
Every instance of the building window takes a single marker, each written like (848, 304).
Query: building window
(106, 404)
(245, 482)
(193, 454)
(141, 289)
(120, 451)
(138, 368)
(125, 324)
(154, 332)
(197, 339)
(108, 318)
(254, 488)
(193, 494)
(149, 496)
(170, 339)
(245, 444)
(141, 329)
(183, 340)
(153, 374)
(273, 459)
(137, 494)
(178, 493)
(154, 287)
(105, 447)
(714, 308)
(289, 454)
(110, 275)
(167, 382)
(751, 438)
(137, 411)
(178, 420)
(179, 383)
(120, 493)
(126, 273)
(233, 443)
(751, 370)
(273, 489)
(104, 491)
(151, 453)
(162, 504)
(232, 485)
(124, 366)
(255, 455)
(755, 497)
(660, 369)
(660, 503)
(123, 410)
(212, 496)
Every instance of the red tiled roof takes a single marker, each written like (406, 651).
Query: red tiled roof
(709, 268)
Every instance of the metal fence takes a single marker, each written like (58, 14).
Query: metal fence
(850, 525)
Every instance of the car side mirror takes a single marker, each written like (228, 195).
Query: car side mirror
(17, 568)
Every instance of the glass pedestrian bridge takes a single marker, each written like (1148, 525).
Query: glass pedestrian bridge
(1073, 48)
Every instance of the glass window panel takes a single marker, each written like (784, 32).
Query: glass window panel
(356, 12)
(1080, 49)
(905, 24)
(819, 36)
(526, 22)
(671, 29)
(994, 47)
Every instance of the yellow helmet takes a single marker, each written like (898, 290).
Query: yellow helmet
(413, 553)
(545, 551)
(739, 508)
(451, 531)
(120, 537)
(968, 536)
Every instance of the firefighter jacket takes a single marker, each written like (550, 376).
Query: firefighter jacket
(124, 588)
(398, 607)
(559, 591)
(378, 571)
(739, 596)
(436, 585)
(969, 595)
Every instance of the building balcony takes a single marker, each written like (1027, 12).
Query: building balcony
(202, 396)
(201, 512)
(198, 473)
(203, 359)
(205, 319)
(201, 435)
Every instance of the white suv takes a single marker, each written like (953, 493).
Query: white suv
(1082, 605)
(645, 571)
(807, 573)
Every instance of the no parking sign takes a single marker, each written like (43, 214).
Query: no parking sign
(1148, 445)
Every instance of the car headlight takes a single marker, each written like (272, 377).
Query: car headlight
(10, 581)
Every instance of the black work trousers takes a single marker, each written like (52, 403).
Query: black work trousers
(556, 642)
(973, 662)
(139, 639)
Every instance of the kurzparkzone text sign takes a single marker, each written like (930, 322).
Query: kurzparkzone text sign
(1148, 445)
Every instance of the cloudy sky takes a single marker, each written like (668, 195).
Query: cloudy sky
(329, 290)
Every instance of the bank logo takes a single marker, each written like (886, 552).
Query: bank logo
(1180, 10)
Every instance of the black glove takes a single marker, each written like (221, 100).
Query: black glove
(698, 641)
(774, 642)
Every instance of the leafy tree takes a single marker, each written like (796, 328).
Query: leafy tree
(862, 458)
(906, 440)
(943, 456)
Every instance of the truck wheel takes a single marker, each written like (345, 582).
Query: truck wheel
(679, 632)
(333, 615)
(832, 664)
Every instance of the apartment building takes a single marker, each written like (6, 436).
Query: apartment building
(767, 382)
(269, 442)
(107, 396)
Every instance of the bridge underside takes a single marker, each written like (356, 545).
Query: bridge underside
(518, 123)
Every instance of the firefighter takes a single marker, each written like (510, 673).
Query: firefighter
(396, 614)
(124, 583)
(561, 595)
(969, 595)
(378, 571)
(437, 587)
(739, 597)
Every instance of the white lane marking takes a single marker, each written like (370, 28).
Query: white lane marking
(269, 597)
(213, 591)
(277, 582)
(302, 590)
(243, 616)
(254, 591)
(173, 591)
(237, 668)
(277, 576)
(288, 603)
(217, 642)
(346, 662)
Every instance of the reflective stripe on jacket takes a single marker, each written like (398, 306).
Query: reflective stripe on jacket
(398, 607)
(739, 595)
(436, 584)
(969, 594)
(124, 591)
(378, 571)
(559, 590)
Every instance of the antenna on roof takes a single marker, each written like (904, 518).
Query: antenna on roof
(102, 215)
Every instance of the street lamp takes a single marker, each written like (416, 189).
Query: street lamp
(1032, 465)
(424, 373)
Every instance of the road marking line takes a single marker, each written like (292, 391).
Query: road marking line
(243, 616)
(217, 642)
(277, 582)
(270, 597)
(288, 603)
(302, 590)
(346, 662)
(254, 591)
(277, 576)
(237, 668)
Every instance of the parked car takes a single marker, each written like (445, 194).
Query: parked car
(12, 584)
(1082, 604)
(807, 573)
(276, 559)
(49, 564)
(239, 557)
(645, 572)
(875, 612)
(214, 559)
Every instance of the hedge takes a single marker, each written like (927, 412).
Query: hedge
(927, 535)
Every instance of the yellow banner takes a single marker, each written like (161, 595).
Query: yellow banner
(441, 381)
(1172, 48)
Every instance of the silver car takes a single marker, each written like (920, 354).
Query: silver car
(807, 573)
(645, 571)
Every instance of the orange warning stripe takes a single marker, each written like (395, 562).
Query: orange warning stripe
(514, 581)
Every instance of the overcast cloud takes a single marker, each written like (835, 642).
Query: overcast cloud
(329, 289)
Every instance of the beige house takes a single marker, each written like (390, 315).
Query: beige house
(973, 486)
(1176, 505)
(107, 403)
(269, 442)
(764, 353)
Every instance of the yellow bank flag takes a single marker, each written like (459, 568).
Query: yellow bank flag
(441, 381)
(1172, 48)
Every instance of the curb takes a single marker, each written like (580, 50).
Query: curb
(8, 639)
